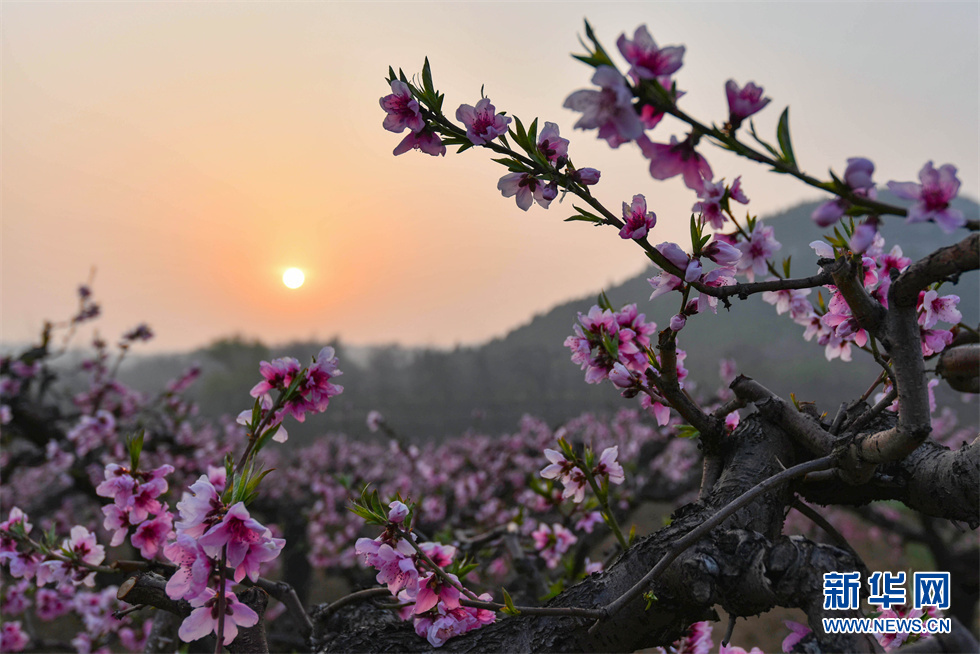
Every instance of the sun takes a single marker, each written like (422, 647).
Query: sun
(293, 278)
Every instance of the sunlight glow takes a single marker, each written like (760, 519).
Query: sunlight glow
(293, 278)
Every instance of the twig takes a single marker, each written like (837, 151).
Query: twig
(705, 527)
(353, 598)
(830, 530)
(838, 419)
(573, 611)
(728, 632)
(439, 572)
(868, 415)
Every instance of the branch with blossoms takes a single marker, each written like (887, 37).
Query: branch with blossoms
(879, 301)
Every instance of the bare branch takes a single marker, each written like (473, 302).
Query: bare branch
(803, 428)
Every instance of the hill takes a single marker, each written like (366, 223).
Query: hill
(435, 393)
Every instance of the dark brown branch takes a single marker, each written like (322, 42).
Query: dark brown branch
(943, 263)
(701, 530)
(960, 367)
(151, 589)
(804, 429)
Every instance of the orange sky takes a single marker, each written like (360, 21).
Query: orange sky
(193, 151)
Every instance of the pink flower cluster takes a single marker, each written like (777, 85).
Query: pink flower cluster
(932, 196)
(857, 179)
(432, 602)
(552, 542)
(403, 112)
(135, 500)
(571, 475)
(208, 527)
(313, 393)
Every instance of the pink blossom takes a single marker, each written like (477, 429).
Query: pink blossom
(647, 60)
(609, 466)
(664, 283)
(203, 620)
(395, 565)
(743, 102)
(757, 250)
(483, 123)
(857, 177)
(932, 196)
(402, 109)
(199, 508)
(721, 252)
(50, 604)
(793, 300)
(638, 221)
(935, 340)
(676, 158)
(317, 389)
(677, 322)
(736, 193)
(575, 484)
(424, 140)
(797, 633)
(559, 466)
(12, 637)
(677, 256)
(620, 376)
(14, 519)
(610, 110)
(82, 547)
(586, 176)
(397, 512)
(551, 145)
(733, 649)
(592, 567)
(934, 308)
(117, 522)
(441, 555)
(248, 542)
(659, 409)
(712, 194)
(552, 542)
(864, 234)
(588, 522)
(374, 420)
(151, 535)
(193, 568)
(433, 590)
(527, 188)
(277, 375)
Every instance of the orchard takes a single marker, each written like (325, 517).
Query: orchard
(130, 523)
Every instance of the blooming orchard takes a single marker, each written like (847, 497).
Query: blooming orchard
(208, 512)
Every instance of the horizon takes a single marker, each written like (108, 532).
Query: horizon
(158, 143)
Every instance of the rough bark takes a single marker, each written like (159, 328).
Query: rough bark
(744, 565)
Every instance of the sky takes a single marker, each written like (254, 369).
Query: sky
(190, 152)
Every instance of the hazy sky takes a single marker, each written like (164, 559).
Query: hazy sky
(193, 151)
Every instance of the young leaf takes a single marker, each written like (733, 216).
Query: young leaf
(782, 135)
(509, 607)
(135, 446)
(604, 302)
(427, 77)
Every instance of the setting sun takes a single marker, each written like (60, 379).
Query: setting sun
(293, 278)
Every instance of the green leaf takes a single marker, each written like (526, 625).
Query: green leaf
(604, 302)
(532, 133)
(135, 446)
(786, 263)
(509, 607)
(687, 431)
(782, 135)
(427, 78)
(391, 75)
(632, 537)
